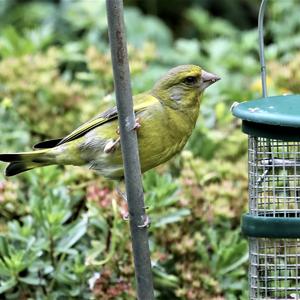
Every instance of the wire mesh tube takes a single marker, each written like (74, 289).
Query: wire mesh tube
(274, 191)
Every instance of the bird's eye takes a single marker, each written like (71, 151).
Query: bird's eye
(190, 80)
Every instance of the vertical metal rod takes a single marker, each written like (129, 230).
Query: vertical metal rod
(262, 47)
(129, 145)
(263, 67)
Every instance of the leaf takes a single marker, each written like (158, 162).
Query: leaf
(65, 278)
(32, 280)
(163, 279)
(7, 285)
(235, 265)
(150, 29)
(4, 269)
(4, 250)
(172, 217)
(72, 236)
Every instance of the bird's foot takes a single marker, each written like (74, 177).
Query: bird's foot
(146, 222)
(125, 216)
(123, 195)
(124, 210)
(111, 145)
(137, 124)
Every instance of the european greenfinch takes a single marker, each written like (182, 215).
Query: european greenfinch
(165, 118)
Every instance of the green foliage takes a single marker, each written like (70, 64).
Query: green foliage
(16, 138)
(286, 38)
(62, 235)
(39, 252)
(225, 256)
(161, 196)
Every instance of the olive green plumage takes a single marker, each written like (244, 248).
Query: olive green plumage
(166, 116)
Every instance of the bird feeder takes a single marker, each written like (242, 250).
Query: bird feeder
(273, 221)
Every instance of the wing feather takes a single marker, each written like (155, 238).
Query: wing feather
(141, 102)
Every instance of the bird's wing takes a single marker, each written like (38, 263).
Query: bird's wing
(141, 102)
(105, 117)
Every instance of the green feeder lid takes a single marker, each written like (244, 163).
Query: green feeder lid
(276, 117)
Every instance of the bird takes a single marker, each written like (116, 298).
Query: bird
(165, 118)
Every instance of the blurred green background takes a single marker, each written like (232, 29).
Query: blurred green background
(61, 230)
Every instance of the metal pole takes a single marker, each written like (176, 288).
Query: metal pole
(263, 68)
(262, 47)
(129, 145)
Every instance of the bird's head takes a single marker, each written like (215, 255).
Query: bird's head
(182, 86)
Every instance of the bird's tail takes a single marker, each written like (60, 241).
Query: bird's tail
(24, 161)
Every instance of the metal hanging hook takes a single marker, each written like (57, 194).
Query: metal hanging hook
(262, 46)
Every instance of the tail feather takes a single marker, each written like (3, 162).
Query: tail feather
(47, 144)
(37, 156)
(15, 168)
(24, 161)
(10, 157)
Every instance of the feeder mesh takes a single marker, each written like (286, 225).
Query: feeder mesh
(274, 191)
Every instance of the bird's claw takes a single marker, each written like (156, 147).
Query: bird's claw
(122, 195)
(146, 222)
(126, 216)
(137, 124)
(111, 145)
